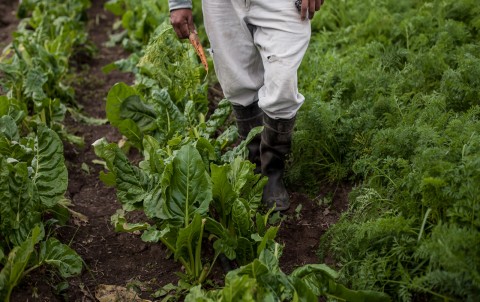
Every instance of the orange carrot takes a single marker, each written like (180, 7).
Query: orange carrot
(193, 37)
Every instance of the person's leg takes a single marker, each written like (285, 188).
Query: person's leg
(282, 39)
(238, 64)
(249, 117)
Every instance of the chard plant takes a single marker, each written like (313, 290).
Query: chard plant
(35, 65)
(33, 180)
(140, 20)
(263, 280)
(175, 184)
(33, 176)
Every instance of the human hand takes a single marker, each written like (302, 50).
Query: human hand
(182, 22)
(311, 6)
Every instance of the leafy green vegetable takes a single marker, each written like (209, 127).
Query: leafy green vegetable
(17, 262)
(190, 188)
(397, 113)
(49, 177)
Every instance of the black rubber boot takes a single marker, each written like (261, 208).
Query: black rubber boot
(248, 118)
(275, 145)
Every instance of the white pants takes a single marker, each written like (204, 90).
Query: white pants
(257, 48)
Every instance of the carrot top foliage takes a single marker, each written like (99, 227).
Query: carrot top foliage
(394, 103)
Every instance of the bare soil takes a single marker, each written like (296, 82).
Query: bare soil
(8, 21)
(123, 259)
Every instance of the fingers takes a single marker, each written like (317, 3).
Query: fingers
(191, 25)
(182, 22)
(303, 10)
(181, 30)
(311, 8)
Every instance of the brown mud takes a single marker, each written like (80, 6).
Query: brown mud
(123, 259)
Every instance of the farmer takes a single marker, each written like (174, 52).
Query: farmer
(257, 47)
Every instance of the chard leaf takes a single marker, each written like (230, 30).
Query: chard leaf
(223, 194)
(12, 108)
(153, 162)
(270, 256)
(321, 269)
(302, 292)
(253, 190)
(270, 234)
(17, 207)
(206, 149)
(242, 289)
(241, 218)
(254, 269)
(143, 115)
(4, 105)
(152, 234)
(196, 294)
(132, 183)
(239, 174)
(167, 234)
(244, 251)
(131, 130)
(17, 261)
(320, 280)
(117, 94)
(105, 151)
(121, 224)
(8, 128)
(188, 238)
(61, 256)
(260, 223)
(34, 82)
(169, 118)
(154, 203)
(227, 138)
(108, 178)
(215, 228)
(218, 118)
(50, 178)
(241, 149)
(225, 242)
(115, 7)
(227, 246)
(190, 189)
(27, 220)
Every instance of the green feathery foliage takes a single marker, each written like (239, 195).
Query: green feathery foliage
(394, 102)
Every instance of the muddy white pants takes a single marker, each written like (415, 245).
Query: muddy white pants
(257, 48)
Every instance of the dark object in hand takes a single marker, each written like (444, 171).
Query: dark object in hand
(298, 5)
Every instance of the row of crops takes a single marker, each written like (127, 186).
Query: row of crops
(394, 106)
(33, 175)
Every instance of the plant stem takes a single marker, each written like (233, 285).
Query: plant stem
(423, 224)
(198, 250)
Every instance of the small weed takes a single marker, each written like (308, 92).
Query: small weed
(298, 209)
(326, 200)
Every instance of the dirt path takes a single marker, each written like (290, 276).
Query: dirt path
(122, 259)
(8, 21)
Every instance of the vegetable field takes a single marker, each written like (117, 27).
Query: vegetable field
(123, 178)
